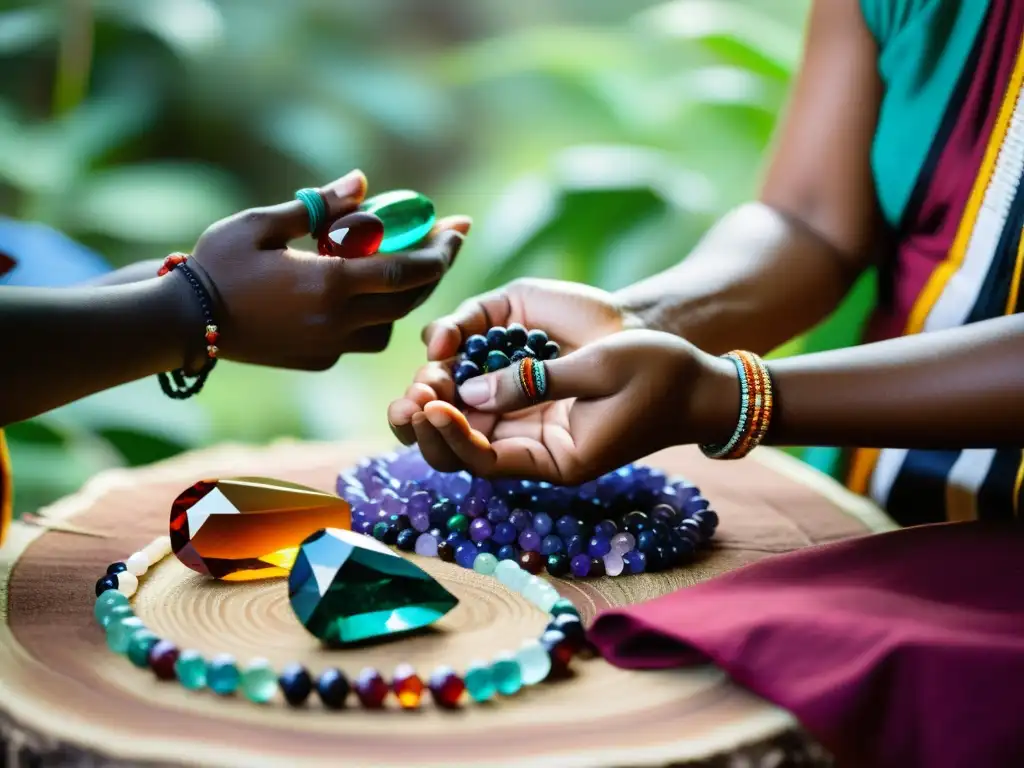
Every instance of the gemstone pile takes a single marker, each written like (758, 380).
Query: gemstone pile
(500, 348)
(633, 520)
(546, 658)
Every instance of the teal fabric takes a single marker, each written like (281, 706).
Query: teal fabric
(923, 46)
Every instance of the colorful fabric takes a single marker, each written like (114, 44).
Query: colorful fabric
(899, 649)
(6, 489)
(952, 73)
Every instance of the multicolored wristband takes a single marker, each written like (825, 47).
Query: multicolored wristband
(756, 403)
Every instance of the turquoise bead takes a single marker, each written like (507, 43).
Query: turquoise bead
(191, 670)
(485, 563)
(511, 575)
(508, 677)
(407, 216)
(534, 662)
(259, 681)
(107, 602)
(479, 679)
(222, 675)
(116, 613)
(564, 606)
(139, 647)
(120, 633)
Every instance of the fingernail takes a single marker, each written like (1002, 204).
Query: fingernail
(353, 236)
(439, 418)
(351, 184)
(476, 392)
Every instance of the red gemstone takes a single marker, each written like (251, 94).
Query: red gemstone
(407, 686)
(371, 689)
(162, 658)
(446, 687)
(531, 562)
(353, 236)
(211, 337)
(559, 650)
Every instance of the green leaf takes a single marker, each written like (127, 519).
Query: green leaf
(23, 29)
(188, 27)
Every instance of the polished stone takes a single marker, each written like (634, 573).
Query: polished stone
(408, 217)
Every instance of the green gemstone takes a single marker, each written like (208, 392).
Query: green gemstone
(191, 670)
(121, 631)
(479, 679)
(139, 647)
(116, 613)
(346, 588)
(407, 216)
(485, 563)
(107, 602)
(496, 361)
(508, 677)
(458, 524)
(259, 681)
(222, 675)
(563, 607)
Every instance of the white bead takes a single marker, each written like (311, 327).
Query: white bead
(511, 575)
(138, 563)
(127, 583)
(157, 550)
(613, 563)
(534, 662)
(623, 542)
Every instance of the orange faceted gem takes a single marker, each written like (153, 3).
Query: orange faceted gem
(407, 686)
(248, 528)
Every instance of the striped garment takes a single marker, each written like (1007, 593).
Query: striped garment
(947, 159)
(5, 489)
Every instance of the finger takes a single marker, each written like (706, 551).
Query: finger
(588, 373)
(468, 447)
(280, 223)
(433, 446)
(444, 336)
(376, 308)
(401, 411)
(438, 377)
(397, 272)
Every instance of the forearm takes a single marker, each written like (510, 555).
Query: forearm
(58, 345)
(133, 273)
(961, 388)
(756, 280)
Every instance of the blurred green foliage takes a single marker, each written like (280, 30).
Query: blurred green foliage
(591, 139)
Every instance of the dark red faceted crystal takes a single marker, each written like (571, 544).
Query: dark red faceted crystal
(531, 562)
(371, 689)
(352, 236)
(162, 658)
(446, 687)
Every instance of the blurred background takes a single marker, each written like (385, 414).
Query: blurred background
(592, 140)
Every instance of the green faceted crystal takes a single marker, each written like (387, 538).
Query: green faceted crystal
(139, 646)
(121, 631)
(259, 681)
(346, 588)
(191, 670)
(222, 675)
(479, 681)
(107, 602)
(407, 216)
(508, 677)
(116, 613)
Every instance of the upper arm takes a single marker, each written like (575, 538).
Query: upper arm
(820, 171)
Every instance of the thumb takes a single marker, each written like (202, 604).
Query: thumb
(579, 374)
(288, 221)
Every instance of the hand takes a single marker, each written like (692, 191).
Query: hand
(284, 307)
(572, 314)
(610, 403)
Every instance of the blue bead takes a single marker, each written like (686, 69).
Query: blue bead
(504, 533)
(441, 511)
(536, 340)
(695, 504)
(550, 545)
(606, 528)
(115, 568)
(465, 371)
(455, 538)
(465, 554)
(574, 545)
(708, 520)
(407, 539)
(507, 552)
(487, 546)
(517, 335)
(580, 566)
(635, 561)
(542, 523)
(646, 541)
(497, 338)
(599, 546)
(497, 510)
(520, 518)
(476, 348)
(333, 688)
(295, 684)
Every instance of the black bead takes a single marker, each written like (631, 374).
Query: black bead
(708, 520)
(596, 567)
(446, 551)
(390, 535)
(399, 522)
(550, 351)
(536, 340)
(295, 684)
(379, 530)
(558, 564)
(465, 371)
(517, 335)
(476, 348)
(115, 568)
(694, 526)
(407, 540)
(497, 338)
(333, 688)
(441, 511)
(572, 628)
(106, 583)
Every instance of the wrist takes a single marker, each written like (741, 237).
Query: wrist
(715, 402)
(182, 340)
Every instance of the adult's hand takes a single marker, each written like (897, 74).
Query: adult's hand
(289, 308)
(572, 314)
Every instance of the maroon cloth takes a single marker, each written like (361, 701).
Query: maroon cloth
(900, 649)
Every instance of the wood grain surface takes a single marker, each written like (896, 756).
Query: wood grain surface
(65, 699)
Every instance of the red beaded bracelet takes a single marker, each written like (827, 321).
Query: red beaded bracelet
(179, 384)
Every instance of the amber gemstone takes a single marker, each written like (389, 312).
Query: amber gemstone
(247, 528)
(352, 236)
(407, 686)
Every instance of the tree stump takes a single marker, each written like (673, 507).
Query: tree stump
(65, 699)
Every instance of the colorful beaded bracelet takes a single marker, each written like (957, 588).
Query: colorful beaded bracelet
(756, 403)
(178, 384)
(536, 661)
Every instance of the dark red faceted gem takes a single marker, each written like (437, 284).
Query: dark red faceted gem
(162, 658)
(353, 236)
(531, 562)
(371, 689)
(446, 687)
(559, 650)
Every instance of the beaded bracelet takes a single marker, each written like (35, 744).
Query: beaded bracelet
(178, 384)
(547, 658)
(756, 403)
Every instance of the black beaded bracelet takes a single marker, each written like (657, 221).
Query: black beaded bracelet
(179, 384)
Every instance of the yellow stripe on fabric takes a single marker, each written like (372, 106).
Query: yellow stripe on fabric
(1017, 486)
(1018, 269)
(6, 489)
(940, 277)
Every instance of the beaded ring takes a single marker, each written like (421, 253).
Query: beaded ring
(531, 375)
(178, 384)
(547, 658)
(316, 207)
(756, 403)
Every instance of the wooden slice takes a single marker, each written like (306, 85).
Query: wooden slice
(67, 700)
